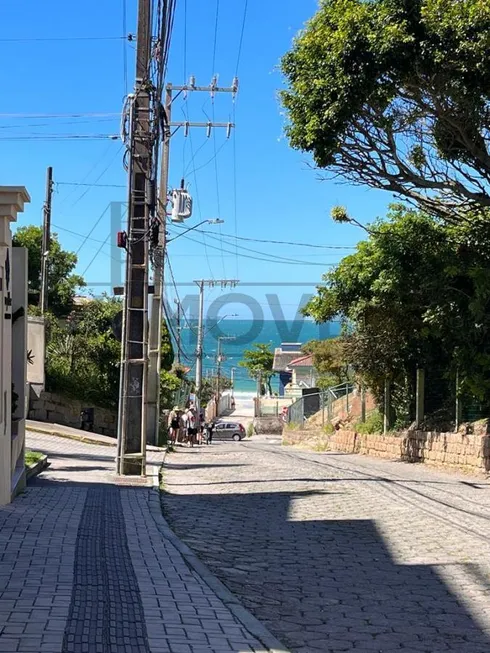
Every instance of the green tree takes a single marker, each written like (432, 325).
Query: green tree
(62, 282)
(259, 361)
(414, 294)
(83, 356)
(329, 360)
(395, 94)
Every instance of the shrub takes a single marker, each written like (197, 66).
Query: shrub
(250, 430)
(373, 423)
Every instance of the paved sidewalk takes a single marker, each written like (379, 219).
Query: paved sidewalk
(336, 552)
(85, 567)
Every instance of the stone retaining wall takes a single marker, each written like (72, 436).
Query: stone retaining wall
(55, 409)
(459, 450)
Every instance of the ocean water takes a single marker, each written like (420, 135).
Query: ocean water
(243, 334)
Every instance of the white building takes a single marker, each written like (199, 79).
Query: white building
(13, 345)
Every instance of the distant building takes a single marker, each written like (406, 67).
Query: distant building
(283, 357)
(304, 374)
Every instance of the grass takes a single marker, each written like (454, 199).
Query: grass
(32, 457)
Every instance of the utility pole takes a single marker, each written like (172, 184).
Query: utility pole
(46, 242)
(179, 343)
(219, 359)
(132, 413)
(154, 363)
(224, 283)
(155, 335)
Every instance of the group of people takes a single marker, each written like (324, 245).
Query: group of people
(188, 426)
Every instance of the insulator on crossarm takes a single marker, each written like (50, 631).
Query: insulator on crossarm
(228, 130)
(234, 86)
(192, 82)
(208, 129)
(214, 84)
(186, 129)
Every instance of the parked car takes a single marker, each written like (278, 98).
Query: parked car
(229, 431)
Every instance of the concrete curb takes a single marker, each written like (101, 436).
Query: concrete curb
(246, 618)
(36, 468)
(85, 439)
(69, 436)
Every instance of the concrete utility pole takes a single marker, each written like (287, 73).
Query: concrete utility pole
(179, 343)
(46, 242)
(155, 335)
(219, 359)
(224, 283)
(233, 382)
(132, 414)
(154, 365)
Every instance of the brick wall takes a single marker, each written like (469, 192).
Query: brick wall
(459, 450)
(53, 408)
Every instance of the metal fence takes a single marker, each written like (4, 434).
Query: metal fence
(319, 403)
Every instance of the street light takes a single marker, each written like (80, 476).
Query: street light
(213, 221)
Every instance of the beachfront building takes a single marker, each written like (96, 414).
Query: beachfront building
(283, 357)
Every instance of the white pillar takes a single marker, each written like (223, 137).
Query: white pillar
(12, 199)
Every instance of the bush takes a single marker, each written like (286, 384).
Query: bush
(250, 430)
(374, 423)
(328, 429)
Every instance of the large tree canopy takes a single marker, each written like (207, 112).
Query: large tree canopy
(415, 294)
(62, 283)
(395, 94)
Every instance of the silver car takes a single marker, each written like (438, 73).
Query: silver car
(229, 431)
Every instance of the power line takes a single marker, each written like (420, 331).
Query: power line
(267, 260)
(100, 175)
(125, 52)
(216, 20)
(90, 114)
(77, 183)
(61, 137)
(242, 32)
(275, 242)
(49, 39)
(272, 256)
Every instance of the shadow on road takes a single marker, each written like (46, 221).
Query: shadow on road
(328, 585)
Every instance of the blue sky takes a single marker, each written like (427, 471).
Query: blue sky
(277, 196)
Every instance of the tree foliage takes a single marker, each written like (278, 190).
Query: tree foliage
(259, 361)
(395, 94)
(415, 294)
(83, 356)
(62, 282)
(329, 360)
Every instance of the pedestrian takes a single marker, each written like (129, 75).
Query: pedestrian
(184, 423)
(201, 426)
(209, 432)
(192, 424)
(174, 422)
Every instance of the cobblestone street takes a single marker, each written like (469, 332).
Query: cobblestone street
(86, 566)
(334, 552)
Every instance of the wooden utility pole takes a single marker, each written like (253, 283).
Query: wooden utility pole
(46, 242)
(132, 412)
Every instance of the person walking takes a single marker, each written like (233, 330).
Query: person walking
(209, 432)
(184, 424)
(192, 425)
(174, 422)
